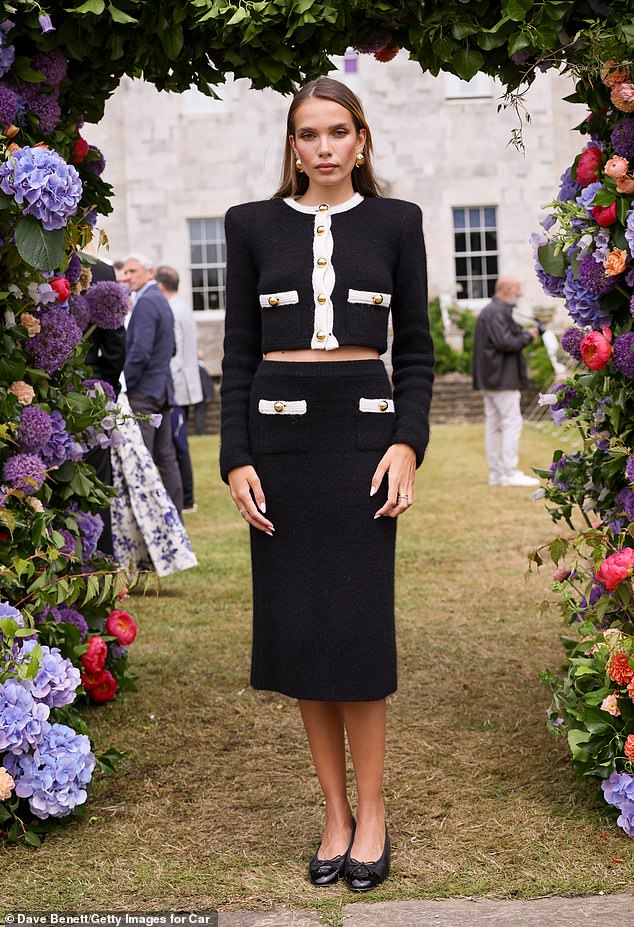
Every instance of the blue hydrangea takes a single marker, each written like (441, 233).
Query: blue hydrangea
(618, 790)
(59, 447)
(569, 188)
(7, 55)
(629, 231)
(90, 528)
(39, 178)
(584, 308)
(55, 776)
(57, 679)
(587, 195)
(22, 716)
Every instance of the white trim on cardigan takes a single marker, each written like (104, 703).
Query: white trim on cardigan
(370, 297)
(376, 405)
(285, 298)
(354, 200)
(282, 406)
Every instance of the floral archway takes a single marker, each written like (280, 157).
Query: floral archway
(58, 66)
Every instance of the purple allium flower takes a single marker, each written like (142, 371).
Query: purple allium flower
(49, 611)
(47, 110)
(25, 472)
(622, 138)
(73, 271)
(584, 308)
(569, 188)
(72, 616)
(106, 387)
(571, 341)
(46, 23)
(594, 278)
(26, 92)
(118, 650)
(80, 310)
(90, 528)
(629, 469)
(57, 679)
(7, 56)
(22, 717)
(55, 776)
(553, 286)
(587, 195)
(8, 106)
(68, 546)
(618, 790)
(59, 336)
(625, 502)
(623, 356)
(35, 428)
(376, 41)
(58, 449)
(52, 64)
(41, 179)
(108, 303)
(96, 163)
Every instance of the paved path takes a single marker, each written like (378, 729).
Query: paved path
(595, 911)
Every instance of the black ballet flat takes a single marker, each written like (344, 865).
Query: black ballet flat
(361, 877)
(324, 872)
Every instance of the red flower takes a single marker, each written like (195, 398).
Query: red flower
(629, 747)
(596, 349)
(589, 166)
(80, 150)
(604, 215)
(122, 626)
(4, 535)
(100, 686)
(95, 657)
(61, 287)
(616, 568)
(630, 690)
(386, 54)
(620, 670)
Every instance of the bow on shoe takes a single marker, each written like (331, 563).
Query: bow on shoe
(361, 872)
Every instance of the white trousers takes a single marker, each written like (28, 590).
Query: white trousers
(502, 430)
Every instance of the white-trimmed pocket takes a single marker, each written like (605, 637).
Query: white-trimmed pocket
(282, 406)
(285, 298)
(376, 405)
(370, 298)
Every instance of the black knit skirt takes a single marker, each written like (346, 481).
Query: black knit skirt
(323, 585)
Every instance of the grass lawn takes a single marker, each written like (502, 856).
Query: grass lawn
(217, 804)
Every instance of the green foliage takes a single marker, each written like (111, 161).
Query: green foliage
(448, 359)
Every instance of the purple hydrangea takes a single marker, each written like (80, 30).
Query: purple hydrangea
(25, 472)
(584, 308)
(8, 106)
(629, 469)
(629, 231)
(68, 547)
(96, 163)
(623, 356)
(618, 791)
(52, 64)
(43, 181)
(58, 337)
(632, 305)
(553, 286)
(80, 311)
(90, 528)
(55, 776)
(22, 717)
(625, 502)
(118, 650)
(72, 616)
(106, 387)
(57, 679)
(47, 109)
(571, 342)
(73, 271)
(601, 246)
(60, 447)
(622, 138)
(109, 304)
(587, 195)
(7, 55)
(35, 428)
(594, 278)
(569, 189)
(8, 611)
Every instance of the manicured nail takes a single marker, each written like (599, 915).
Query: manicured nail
(270, 533)
(373, 490)
(378, 515)
(263, 507)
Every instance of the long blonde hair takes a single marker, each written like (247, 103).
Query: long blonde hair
(364, 181)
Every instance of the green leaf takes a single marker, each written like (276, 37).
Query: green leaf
(240, 14)
(467, 63)
(38, 247)
(90, 6)
(576, 740)
(622, 209)
(552, 263)
(172, 40)
(603, 198)
(462, 30)
(118, 16)
(22, 69)
(32, 839)
(517, 9)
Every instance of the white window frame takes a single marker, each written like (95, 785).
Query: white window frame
(206, 265)
(470, 301)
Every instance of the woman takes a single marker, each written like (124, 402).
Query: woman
(319, 457)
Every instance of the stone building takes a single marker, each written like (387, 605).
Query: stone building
(177, 162)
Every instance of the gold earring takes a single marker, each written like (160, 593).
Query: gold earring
(360, 159)
(299, 167)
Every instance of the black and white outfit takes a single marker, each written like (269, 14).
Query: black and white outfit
(319, 277)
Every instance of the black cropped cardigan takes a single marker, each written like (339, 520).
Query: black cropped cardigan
(319, 277)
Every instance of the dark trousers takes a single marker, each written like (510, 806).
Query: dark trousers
(179, 432)
(160, 445)
(99, 458)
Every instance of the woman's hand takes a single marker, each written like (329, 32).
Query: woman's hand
(399, 462)
(245, 487)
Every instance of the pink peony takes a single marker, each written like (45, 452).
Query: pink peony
(596, 349)
(609, 704)
(604, 215)
(625, 185)
(616, 568)
(589, 166)
(122, 626)
(561, 574)
(616, 167)
(24, 393)
(95, 657)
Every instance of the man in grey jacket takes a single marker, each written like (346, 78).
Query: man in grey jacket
(185, 374)
(500, 372)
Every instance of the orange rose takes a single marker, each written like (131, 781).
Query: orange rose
(6, 784)
(615, 262)
(616, 167)
(612, 74)
(31, 324)
(24, 393)
(625, 184)
(620, 100)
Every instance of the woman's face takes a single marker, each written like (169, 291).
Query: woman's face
(326, 140)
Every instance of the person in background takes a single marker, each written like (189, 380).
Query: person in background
(150, 346)
(185, 375)
(499, 371)
(119, 271)
(209, 394)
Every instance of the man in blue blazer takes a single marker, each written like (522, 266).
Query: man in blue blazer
(150, 346)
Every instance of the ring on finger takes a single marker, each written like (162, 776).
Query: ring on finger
(402, 495)
(243, 512)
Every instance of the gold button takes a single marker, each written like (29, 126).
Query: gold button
(383, 405)
(322, 298)
(321, 262)
(320, 229)
(378, 299)
(320, 336)
(273, 301)
(323, 207)
(279, 406)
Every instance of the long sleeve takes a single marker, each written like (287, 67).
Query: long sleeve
(413, 348)
(242, 350)
(139, 344)
(506, 335)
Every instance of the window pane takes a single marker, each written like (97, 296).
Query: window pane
(198, 277)
(196, 254)
(474, 218)
(461, 267)
(490, 287)
(461, 289)
(195, 230)
(489, 217)
(458, 218)
(490, 241)
(222, 252)
(213, 299)
(208, 259)
(212, 277)
(460, 241)
(211, 229)
(478, 288)
(474, 241)
(198, 300)
(211, 253)
(492, 266)
(476, 265)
